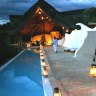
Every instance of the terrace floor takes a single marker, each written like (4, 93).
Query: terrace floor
(70, 74)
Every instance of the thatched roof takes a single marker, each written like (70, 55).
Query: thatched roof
(63, 18)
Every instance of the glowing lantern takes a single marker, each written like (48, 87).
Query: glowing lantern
(42, 17)
(42, 57)
(39, 12)
(41, 47)
(56, 92)
(93, 69)
(41, 53)
(45, 72)
(43, 63)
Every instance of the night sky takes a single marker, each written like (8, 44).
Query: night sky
(16, 7)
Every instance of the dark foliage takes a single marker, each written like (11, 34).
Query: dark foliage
(6, 50)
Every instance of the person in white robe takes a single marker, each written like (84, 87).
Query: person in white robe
(55, 44)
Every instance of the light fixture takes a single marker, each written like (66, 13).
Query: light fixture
(67, 30)
(56, 92)
(43, 63)
(42, 17)
(63, 27)
(39, 12)
(41, 53)
(93, 67)
(41, 57)
(41, 47)
(44, 72)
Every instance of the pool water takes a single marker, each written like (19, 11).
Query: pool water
(22, 77)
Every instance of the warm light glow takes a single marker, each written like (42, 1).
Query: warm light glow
(41, 47)
(41, 53)
(28, 45)
(45, 72)
(55, 33)
(67, 30)
(42, 57)
(42, 17)
(63, 28)
(56, 92)
(39, 12)
(93, 71)
(47, 17)
(36, 38)
(48, 39)
(43, 63)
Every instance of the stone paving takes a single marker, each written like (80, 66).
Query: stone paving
(70, 73)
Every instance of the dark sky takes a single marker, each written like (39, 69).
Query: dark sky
(13, 7)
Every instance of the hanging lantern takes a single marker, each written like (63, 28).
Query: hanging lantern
(44, 72)
(56, 92)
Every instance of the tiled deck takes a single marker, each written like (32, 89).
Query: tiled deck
(69, 73)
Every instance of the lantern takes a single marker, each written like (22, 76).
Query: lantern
(41, 53)
(41, 50)
(45, 72)
(41, 47)
(93, 68)
(43, 63)
(42, 56)
(56, 92)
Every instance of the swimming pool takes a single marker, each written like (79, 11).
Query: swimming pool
(22, 77)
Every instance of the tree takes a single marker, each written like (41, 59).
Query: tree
(90, 15)
(7, 51)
